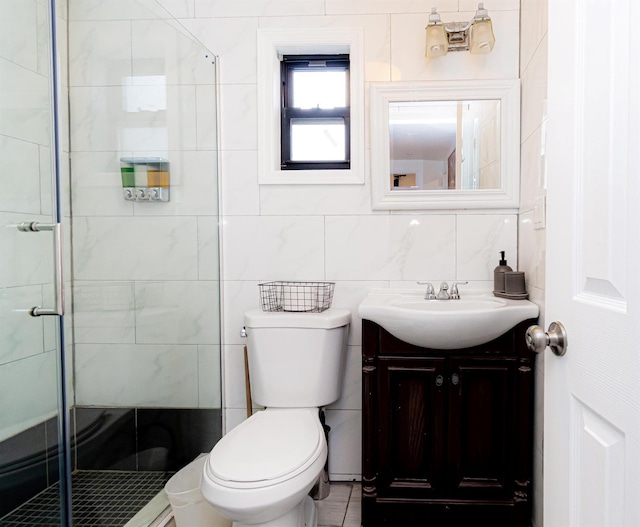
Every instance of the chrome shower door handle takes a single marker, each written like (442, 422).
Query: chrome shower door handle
(56, 228)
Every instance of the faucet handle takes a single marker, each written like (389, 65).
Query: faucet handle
(455, 295)
(430, 293)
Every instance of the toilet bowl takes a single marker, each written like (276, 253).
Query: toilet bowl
(263, 469)
(261, 472)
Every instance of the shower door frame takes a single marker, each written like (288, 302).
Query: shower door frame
(31, 231)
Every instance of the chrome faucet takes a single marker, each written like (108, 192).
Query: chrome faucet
(430, 294)
(443, 294)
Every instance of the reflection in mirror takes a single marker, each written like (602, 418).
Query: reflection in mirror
(439, 145)
(445, 145)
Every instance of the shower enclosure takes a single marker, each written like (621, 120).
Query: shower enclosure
(108, 210)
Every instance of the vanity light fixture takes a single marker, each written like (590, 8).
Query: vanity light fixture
(476, 36)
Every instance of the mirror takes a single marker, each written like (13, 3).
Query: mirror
(445, 145)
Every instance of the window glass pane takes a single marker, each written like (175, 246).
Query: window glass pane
(317, 139)
(319, 89)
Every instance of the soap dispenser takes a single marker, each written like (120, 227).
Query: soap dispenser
(498, 274)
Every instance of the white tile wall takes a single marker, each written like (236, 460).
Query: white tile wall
(238, 117)
(102, 121)
(158, 49)
(111, 10)
(99, 53)
(19, 34)
(209, 376)
(402, 247)
(532, 241)
(24, 103)
(179, 8)
(104, 312)
(533, 28)
(146, 295)
(272, 247)
(479, 242)
(279, 232)
(235, 39)
(182, 312)
(139, 248)
(136, 375)
(17, 192)
(36, 259)
(208, 252)
(315, 199)
(330, 232)
(345, 440)
(22, 335)
(233, 8)
(27, 389)
(534, 91)
(240, 193)
(360, 7)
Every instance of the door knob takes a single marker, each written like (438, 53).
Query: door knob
(555, 338)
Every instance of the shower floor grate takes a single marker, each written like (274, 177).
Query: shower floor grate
(100, 499)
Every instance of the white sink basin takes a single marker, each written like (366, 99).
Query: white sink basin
(476, 318)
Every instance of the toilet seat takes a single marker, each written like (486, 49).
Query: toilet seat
(269, 448)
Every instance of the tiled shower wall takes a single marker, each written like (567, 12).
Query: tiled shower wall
(146, 279)
(532, 238)
(330, 232)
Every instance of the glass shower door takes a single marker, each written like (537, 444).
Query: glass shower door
(33, 416)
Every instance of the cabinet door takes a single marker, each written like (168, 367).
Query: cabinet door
(481, 430)
(411, 427)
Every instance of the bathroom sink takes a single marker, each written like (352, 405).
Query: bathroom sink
(474, 319)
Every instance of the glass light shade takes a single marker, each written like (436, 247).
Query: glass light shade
(437, 43)
(482, 39)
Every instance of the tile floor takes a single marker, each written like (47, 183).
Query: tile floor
(340, 509)
(100, 498)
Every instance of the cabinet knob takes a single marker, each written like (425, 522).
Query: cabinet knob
(439, 380)
(455, 379)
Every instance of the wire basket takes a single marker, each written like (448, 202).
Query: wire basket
(307, 297)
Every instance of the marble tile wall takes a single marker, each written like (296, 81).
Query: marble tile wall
(532, 235)
(28, 385)
(317, 232)
(146, 275)
(330, 232)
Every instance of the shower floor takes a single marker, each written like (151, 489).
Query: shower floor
(100, 499)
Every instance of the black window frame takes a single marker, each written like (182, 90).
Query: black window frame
(288, 65)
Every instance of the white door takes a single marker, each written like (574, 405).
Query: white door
(592, 394)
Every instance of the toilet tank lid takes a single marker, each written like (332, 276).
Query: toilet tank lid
(328, 319)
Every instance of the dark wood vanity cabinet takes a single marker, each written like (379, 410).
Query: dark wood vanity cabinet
(447, 434)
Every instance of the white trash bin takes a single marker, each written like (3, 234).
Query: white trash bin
(190, 509)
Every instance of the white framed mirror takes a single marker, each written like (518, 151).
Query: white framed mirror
(445, 145)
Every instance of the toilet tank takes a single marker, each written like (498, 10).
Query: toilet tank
(296, 360)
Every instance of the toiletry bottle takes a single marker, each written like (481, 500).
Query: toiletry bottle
(498, 274)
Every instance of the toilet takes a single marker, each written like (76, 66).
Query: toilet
(261, 472)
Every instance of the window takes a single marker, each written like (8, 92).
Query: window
(273, 45)
(315, 112)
